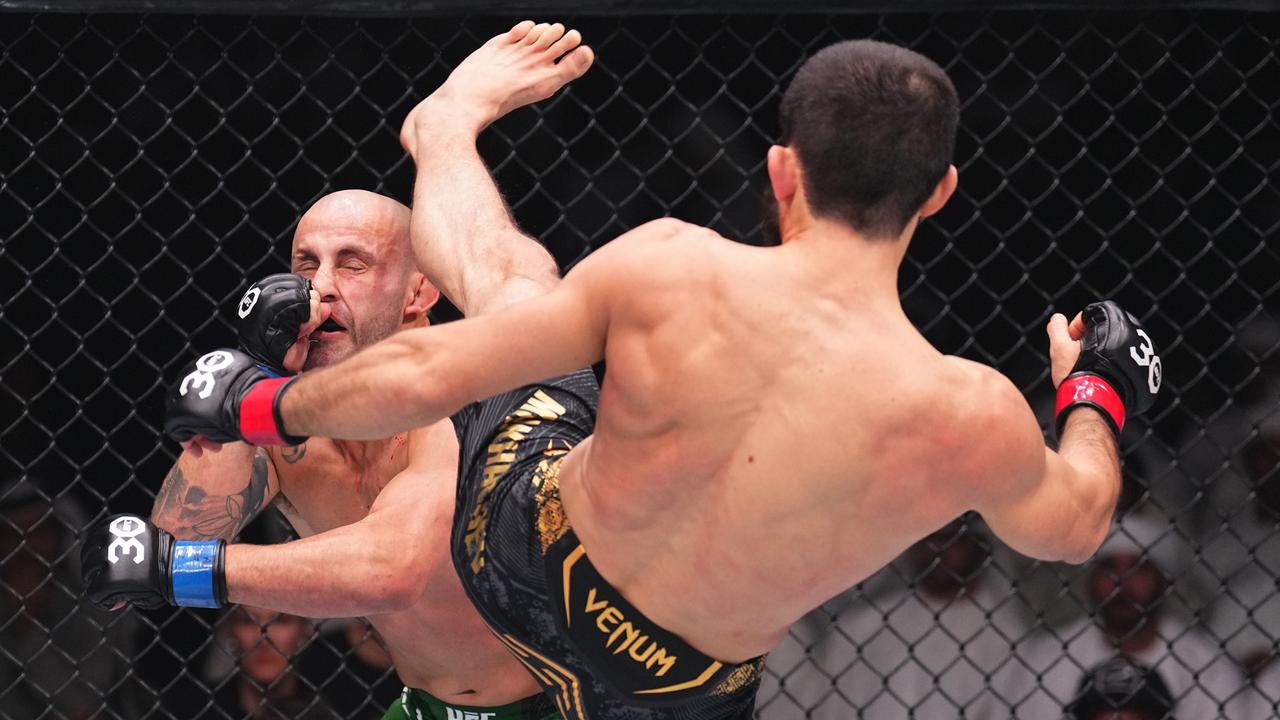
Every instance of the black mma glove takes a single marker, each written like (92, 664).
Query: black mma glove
(126, 558)
(224, 396)
(1118, 372)
(269, 315)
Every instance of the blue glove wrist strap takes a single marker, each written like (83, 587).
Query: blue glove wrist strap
(193, 573)
(268, 370)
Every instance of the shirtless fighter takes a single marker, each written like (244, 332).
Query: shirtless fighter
(375, 514)
(772, 428)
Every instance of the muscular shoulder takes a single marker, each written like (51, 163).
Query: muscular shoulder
(668, 229)
(652, 268)
(657, 250)
(998, 440)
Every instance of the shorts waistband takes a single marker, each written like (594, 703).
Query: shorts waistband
(640, 660)
(421, 705)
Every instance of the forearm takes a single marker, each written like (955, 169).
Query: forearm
(384, 389)
(215, 496)
(1089, 447)
(464, 238)
(339, 573)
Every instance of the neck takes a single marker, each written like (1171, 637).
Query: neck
(836, 256)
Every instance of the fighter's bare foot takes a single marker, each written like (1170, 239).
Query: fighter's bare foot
(526, 64)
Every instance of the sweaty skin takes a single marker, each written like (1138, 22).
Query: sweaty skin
(772, 429)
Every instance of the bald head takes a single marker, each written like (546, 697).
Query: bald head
(357, 212)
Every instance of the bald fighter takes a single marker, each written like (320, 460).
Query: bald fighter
(772, 428)
(374, 514)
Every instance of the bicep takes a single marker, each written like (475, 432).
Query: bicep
(429, 477)
(1020, 487)
(413, 512)
(215, 495)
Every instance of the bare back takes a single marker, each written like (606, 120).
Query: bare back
(439, 644)
(761, 445)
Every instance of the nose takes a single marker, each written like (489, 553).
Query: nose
(323, 283)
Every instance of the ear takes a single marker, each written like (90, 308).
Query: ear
(784, 174)
(422, 296)
(941, 192)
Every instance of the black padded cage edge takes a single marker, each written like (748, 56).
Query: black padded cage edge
(372, 8)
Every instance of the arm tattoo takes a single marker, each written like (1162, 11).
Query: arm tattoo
(200, 516)
(293, 453)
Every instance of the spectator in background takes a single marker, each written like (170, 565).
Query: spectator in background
(1121, 689)
(352, 668)
(60, 656)
(923, 649)
(267, 685)
(1127, 584)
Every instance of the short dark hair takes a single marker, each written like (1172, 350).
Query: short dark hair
(874, 126)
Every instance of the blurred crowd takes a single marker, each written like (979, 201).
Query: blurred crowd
(60, 657)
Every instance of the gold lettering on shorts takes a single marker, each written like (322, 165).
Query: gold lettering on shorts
(626, 637)
(501, 453)
(611, 615)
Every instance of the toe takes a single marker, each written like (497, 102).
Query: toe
(535, 33)
(571, 40)
(552, 34)
(519, 32)
(574, 64)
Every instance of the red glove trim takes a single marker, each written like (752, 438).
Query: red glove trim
(257, 413)
(1093, 391)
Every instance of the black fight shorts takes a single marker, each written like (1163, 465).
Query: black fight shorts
(595, 655)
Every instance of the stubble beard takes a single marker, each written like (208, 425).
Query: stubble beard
(331, 352)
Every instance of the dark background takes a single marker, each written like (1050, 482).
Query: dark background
(152, 165)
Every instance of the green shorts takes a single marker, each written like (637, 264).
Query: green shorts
(418, 705)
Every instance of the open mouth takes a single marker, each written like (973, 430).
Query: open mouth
(330, 326)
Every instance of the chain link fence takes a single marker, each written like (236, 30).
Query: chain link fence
(151, 166)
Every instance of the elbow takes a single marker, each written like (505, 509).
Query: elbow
(395, 583)
(398, 594)
(1086, 544)
(394, 569)
(1094, 525)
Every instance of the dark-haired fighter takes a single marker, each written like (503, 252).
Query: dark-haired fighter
(772, 428)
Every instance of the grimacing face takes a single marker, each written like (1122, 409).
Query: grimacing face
(363, 283)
